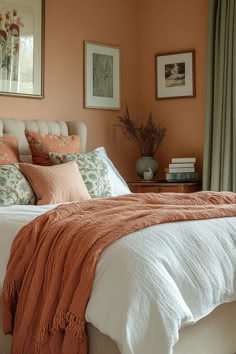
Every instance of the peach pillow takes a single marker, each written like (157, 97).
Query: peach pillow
(9, 152)
(56, 184)
(40, 146)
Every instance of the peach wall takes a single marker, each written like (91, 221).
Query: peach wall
(142, 29)
(67, 25)
(167, 26)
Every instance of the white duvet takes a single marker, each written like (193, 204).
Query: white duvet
(153, 282)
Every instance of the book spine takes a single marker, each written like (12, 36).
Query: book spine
(183, 160)
(181, 176)
(181, 169)
(176, 165)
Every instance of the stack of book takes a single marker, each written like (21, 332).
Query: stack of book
(182, 169)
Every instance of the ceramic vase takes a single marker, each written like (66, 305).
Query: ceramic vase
(144, 163)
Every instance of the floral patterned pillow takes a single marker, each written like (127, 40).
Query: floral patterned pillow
(9, 152)
(14, 187)
(93, 169)
(40, 146)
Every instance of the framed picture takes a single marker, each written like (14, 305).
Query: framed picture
(175, 75)
(101, 76)
(21, 48)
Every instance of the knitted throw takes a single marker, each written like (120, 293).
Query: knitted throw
(53, 261)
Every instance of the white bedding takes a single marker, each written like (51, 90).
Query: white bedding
(150, 284)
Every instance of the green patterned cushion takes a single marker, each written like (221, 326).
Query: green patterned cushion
(93, 171)
(14, 187)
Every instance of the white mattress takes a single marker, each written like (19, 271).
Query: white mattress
(154, 282)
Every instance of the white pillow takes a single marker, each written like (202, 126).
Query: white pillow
(118, 184)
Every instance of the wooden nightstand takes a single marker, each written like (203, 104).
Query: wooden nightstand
(163, 187)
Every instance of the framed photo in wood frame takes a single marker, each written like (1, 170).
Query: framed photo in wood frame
(175, 75)
(22, 48)
(101, 76)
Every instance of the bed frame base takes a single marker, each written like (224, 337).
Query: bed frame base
(214, 334)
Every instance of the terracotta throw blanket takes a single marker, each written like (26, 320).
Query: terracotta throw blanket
(53, 261)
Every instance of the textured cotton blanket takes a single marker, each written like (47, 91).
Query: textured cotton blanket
(53, 261)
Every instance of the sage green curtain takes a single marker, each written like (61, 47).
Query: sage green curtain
(219, 166)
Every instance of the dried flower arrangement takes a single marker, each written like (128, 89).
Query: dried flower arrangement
(148, 137)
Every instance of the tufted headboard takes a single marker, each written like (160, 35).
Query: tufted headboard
(17, 127)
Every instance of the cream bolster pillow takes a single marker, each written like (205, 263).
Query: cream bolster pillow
(56, 184)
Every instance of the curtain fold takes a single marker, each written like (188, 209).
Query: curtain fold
(219, 165)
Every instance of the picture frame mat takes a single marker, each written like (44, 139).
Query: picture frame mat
(189, 91)
(39, 46)
(91, 101)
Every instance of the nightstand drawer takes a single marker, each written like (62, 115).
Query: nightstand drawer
(159, 189)
(164, 187)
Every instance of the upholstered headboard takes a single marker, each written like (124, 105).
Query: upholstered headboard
(17, 127)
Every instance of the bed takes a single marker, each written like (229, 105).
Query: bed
(214, 333)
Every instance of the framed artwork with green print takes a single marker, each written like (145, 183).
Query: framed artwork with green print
(101, 76)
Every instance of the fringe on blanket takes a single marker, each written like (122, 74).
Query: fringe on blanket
(64, 320)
